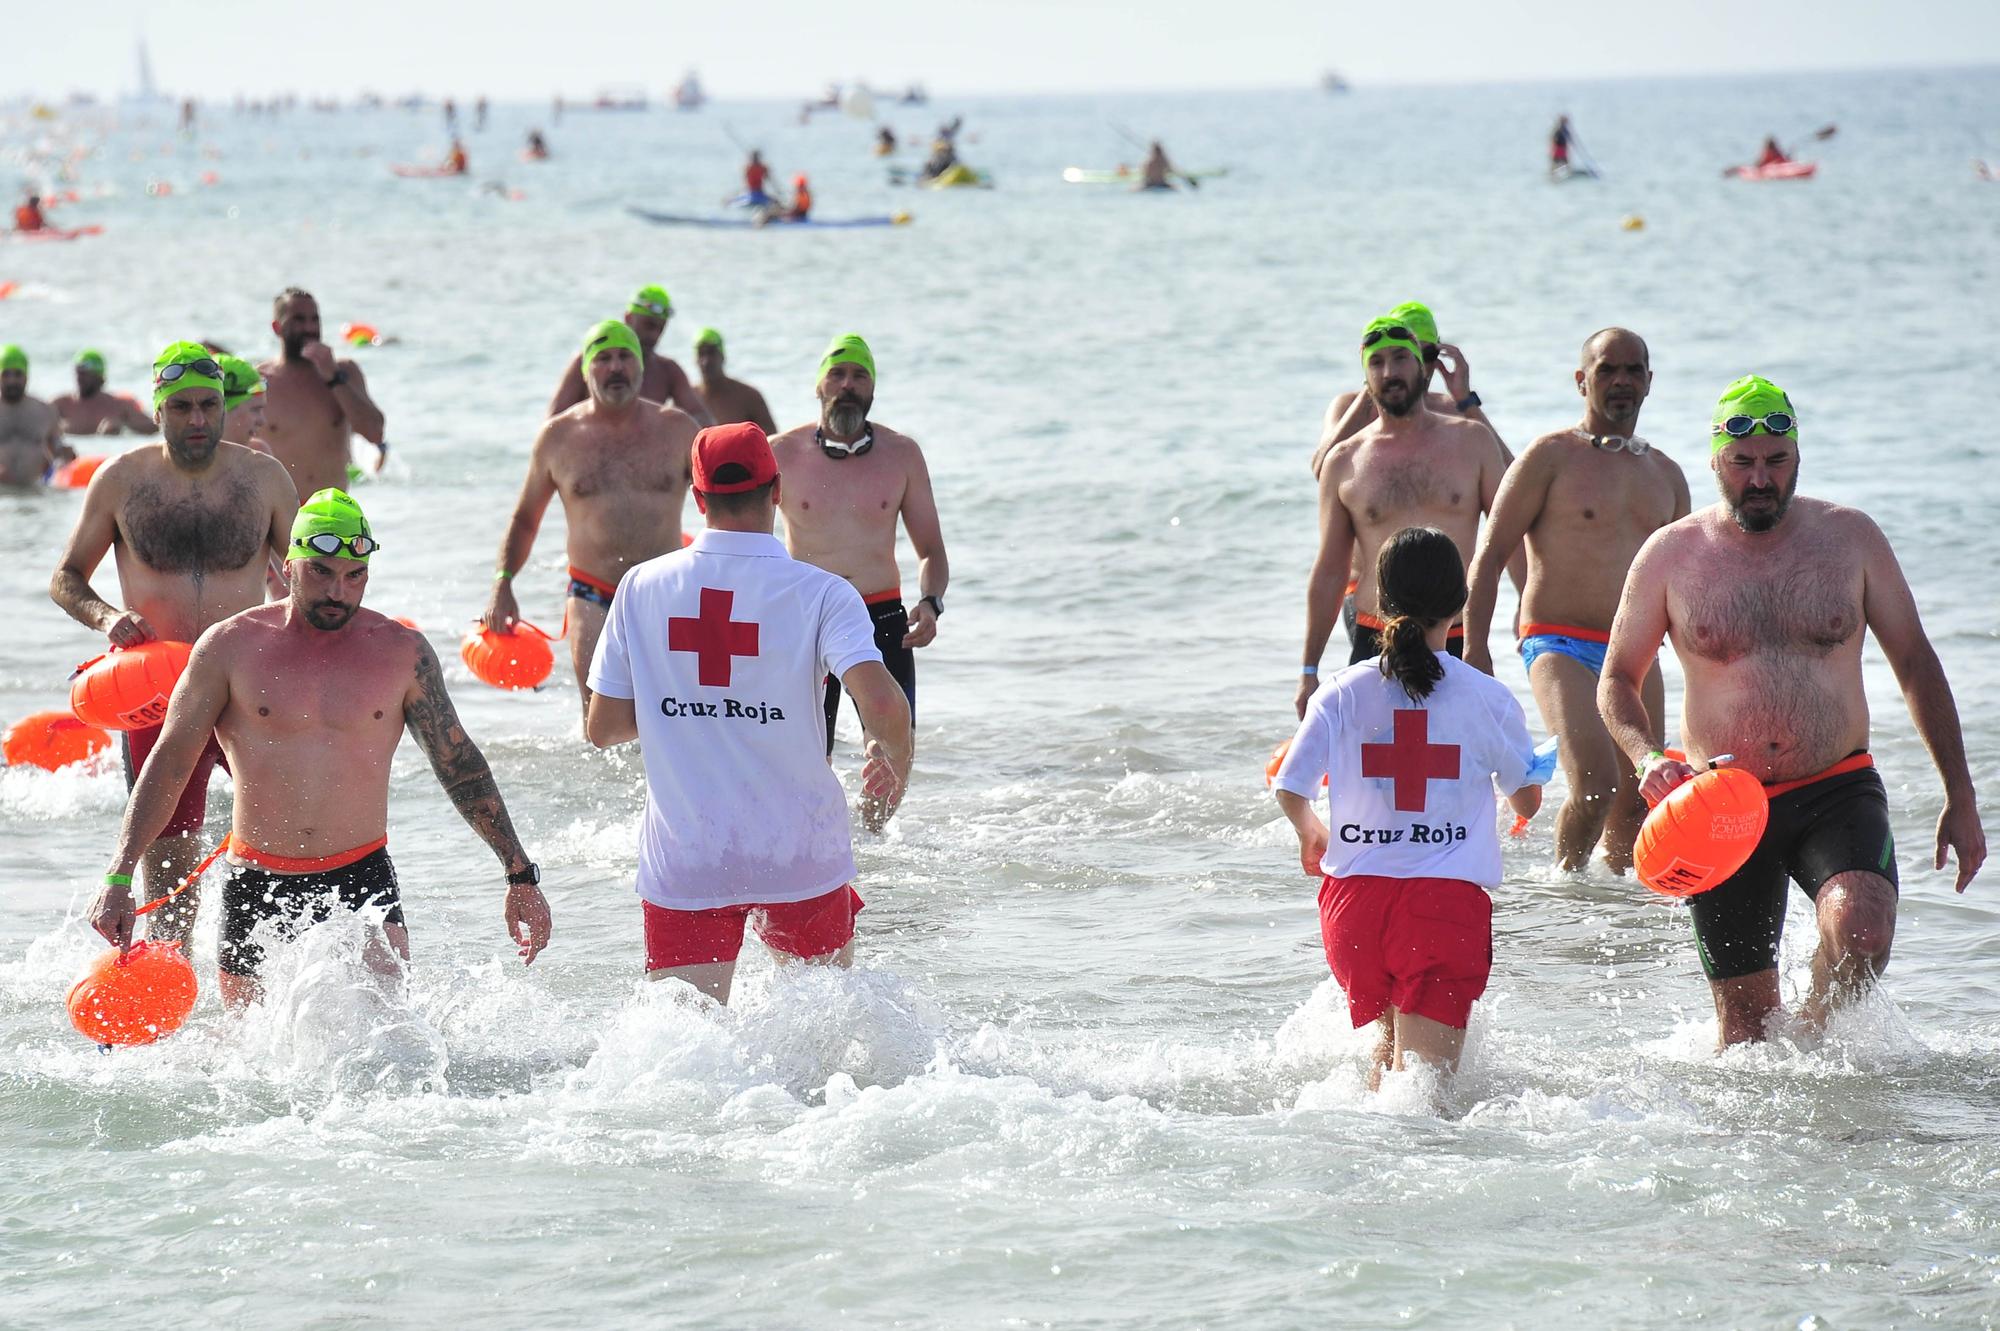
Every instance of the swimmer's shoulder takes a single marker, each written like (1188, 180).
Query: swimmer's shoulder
(788, 442)
(896, 443)
(676, 425)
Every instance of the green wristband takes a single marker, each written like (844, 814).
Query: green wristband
(118, 880)
(501, 575)
(1651, 754)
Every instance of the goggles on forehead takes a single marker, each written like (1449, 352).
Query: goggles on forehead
(1776, 422)
(1399, 332)
(653, 307)
(167, 374)
(330, 543)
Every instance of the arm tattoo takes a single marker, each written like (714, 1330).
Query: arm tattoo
(461, 768)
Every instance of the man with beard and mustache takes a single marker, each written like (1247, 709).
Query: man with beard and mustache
(193, 522)
(91, 410)
(620, 464)
(1410, 468)
(847, 482)
(315, 404)
(309, 697)
(1766, 598)
(31, 433)
(1354, 410)
(664, 381)
(1584, 499)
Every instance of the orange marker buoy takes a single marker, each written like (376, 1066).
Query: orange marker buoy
(8, 288)
(133, 999)
(360, 335)
(127, 688)
(518, 660)
(76, 473)
(1277, 761)
(1702, 832)
(50, 740)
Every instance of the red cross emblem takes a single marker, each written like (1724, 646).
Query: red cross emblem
(714, 638)
(1411, 760)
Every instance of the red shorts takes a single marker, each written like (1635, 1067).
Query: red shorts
(1423, 944)
(810, 928)
(192, 810)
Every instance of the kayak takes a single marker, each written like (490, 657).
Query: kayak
(410, 171)
(960, 176)
(1127, 174)
(1775, 171)
(55, 233)
(774, 224)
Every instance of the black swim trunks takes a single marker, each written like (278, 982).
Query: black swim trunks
(892, 622)
(1831, 825)
(251, 895)
(1366, 634)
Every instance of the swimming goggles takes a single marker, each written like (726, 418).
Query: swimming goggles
(653, 307)
(208, 369)
(1618, 443)
(1398, 332)
(329, 543)
(1777, 422)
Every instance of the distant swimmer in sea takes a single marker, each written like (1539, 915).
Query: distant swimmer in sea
(850, 481)
(712, 660)
(1772, 154)
(1411, 467)
(1159, 171)
(28, 216)
(663, 381)
(729, 400)
(538, 147)
(1410, 746)
(756, 177)
(1584, 499)
(91, 410)
(31, 432)
(620, 464)
(1767, 598)
(191, 523)
(309, 698)
(315, 403)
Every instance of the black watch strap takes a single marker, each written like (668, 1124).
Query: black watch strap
(936, 603)
(528, 877)
(1469, 401)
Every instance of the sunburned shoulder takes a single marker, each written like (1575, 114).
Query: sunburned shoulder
(797, 437)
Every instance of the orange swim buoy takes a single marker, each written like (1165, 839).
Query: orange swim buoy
(360, 335)
(518, 660)
(1277, 761)
(1702, 832)
(50, 740)
(136, 998)
(127, 688)
(76, 473)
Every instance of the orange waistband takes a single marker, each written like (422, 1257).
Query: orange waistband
(1374, 623)
(1565, 631)
(301, 864)
(598, 585)
(1353, 586)
(1853, 762)
(883, 598)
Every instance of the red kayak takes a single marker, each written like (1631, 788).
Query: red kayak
(409, 171)
(56, 233)
(1775, 171)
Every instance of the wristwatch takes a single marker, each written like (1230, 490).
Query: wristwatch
(339, 378)
(1468, 402)
(528, 877)
(936, 603)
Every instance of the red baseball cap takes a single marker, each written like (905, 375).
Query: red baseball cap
(743, 445)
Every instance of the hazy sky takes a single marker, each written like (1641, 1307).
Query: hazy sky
(763, 48)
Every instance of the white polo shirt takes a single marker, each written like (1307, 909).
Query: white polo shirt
(723, 647)
(1410, 784)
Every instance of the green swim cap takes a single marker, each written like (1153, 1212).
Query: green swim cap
(1752, 395)
(708, 337)
(1417, 317)
(329, 511)
(1383, 325)
(610, 333)
(13, 358)
(653, 300)
(240, 381)
(90, 359)
(847, 349)
(190, 354)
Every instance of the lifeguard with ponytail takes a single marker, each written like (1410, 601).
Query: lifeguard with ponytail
(309, 698)
(1411, 744)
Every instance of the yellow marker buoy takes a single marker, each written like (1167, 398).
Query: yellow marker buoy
(1633, 222)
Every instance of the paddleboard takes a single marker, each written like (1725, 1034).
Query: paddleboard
(1776, 171)
(958, 177)
(775, 224)
(1125, 175)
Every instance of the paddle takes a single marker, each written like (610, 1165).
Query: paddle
(1147, 148)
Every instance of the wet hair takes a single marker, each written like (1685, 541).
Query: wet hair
(285, 298)
(735, 502)
(1421, 582)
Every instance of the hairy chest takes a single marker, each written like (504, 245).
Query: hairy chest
(1807, 608)
(1394, 490)
(861, 486)
(590, 468)
(209, 529)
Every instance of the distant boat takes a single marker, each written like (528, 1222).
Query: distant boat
(688, 94)
(620, 97)
(1332, 82)
(148, 91)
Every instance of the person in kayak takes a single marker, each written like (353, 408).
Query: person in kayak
(944, 156)
(456, 163)
(802, 201)
(1159, 171)
(538, 147)
(885, 142)
(28, 217)
(1772, 155)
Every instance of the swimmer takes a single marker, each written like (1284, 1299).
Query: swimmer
(315, 403)
(191, 523)
(1350, 411)
(1410, 467)
(309, 699)
(243, 393)
(664, 381)
(1584, 499)
(91, 410)
(620, 465)
(849, 481)
(31, 433)
(712, 661)
(1767, 597)
(538, 147)
(1411, 745)
(728, 400)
